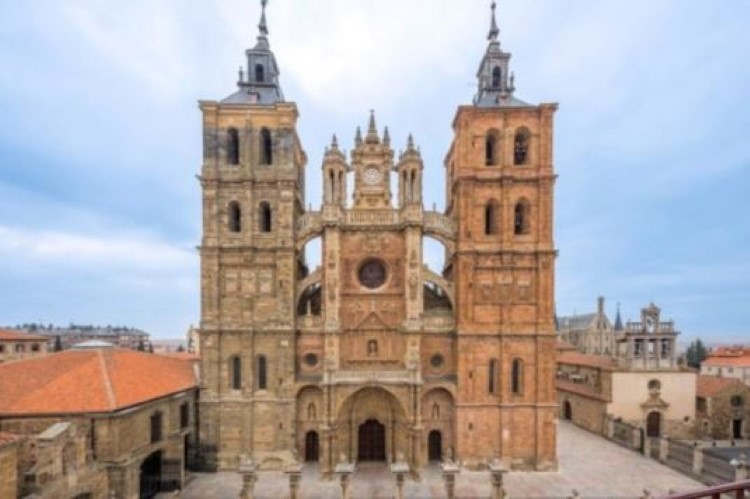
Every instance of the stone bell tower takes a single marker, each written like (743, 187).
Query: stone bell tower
(500, 181)
(253, 194)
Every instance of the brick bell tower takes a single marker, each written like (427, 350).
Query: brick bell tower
(253, 194)
(500, 183)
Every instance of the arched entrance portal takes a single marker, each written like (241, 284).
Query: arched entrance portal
(312, 447)
(567, 411)
(371, 441)
(435, 446)
(653, 424)
(150, 476)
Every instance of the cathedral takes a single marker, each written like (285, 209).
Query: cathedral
(371, 356)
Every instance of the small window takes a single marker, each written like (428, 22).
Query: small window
(521, 147)
(236, 367)
(737, 401)
(233, 147)
(266, 147)
(490, 218)
(490, 153)
(260, 73)
(262, 373)
(436, 361)
(372, 348)
(266, 221)
(521, 222)
(491, 376)
(184, 415)
(235, 217)
(311, 360)
(654, 385)
(516, 377)
(35, 347)
(497, 77)
(2, 348)
(156, 427)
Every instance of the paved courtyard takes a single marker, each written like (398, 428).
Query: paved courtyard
(589, 464)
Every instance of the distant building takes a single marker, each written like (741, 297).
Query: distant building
(129, 423)
(722, 408)
(15, 345)
(590, 333)
(640, 384)
(728, 362)
(124, 337)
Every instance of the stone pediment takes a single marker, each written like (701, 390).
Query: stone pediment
(654, 402)
(372, 322)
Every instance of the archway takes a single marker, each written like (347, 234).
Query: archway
(567, 411)
(435, 446)
(312, 447)
(653, 424)
(737, 428)
(371, 441)
(150, 480)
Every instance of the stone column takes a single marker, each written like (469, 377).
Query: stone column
(663, 448)
(249, 477)
(697, 459)
(345, 470)
(400, 469)
(294, 472)
(496, 472)
(450, 470)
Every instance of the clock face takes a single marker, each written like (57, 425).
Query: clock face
(372, 176)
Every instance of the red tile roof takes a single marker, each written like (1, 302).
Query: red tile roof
(709, 386)
(8, 438)
(581, 359)
(90, 381)
(6, 335)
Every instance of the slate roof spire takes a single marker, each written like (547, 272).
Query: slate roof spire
(494, 30)
(618, 320)
(263, 26)
(372, 130)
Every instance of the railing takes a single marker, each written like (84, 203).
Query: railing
(368, 218)
(736, 489)
(440, 224)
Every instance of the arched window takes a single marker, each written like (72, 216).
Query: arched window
(233, 146)
(266, 147)
(236, 373)
(497, 77)
(521, 147)
(262, 372)
(266, 219)
(492, 376)
(260, 73)
(516, 377)
(521, 223)
(235, 217)
(490, 153)
(490, 218)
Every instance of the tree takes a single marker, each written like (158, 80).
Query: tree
(141, 345)
(58, 344)
(696, 353)
(180, 349)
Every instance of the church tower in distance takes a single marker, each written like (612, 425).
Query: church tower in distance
(253, 193)
(499, 185)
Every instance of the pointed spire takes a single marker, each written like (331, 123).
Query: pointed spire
(335, 143)
(358, 137)
(372, 130)
(386, 137)
(618, 320)
(494, 30)
(410, 143)
(263, 26)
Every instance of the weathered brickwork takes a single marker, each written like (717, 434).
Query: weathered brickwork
(372, 356)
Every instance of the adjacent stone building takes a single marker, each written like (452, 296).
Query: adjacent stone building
(9, 451)
(15, 345)
(372, 355)
(107, 423)
(591, 333)
(728, 362)
(641, 384)
(722, 408)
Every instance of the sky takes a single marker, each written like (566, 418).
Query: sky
(100, 140)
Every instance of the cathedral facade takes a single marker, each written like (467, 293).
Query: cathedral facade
(372, 356)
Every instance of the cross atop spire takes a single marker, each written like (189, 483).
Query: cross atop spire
(494, 30)
(263, 26)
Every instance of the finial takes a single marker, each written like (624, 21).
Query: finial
(410, 143)
(372, 130)
(242, 74)
(512, 82)
(335, 142)
(386, 136)
(263, 26)
(358, 137)
(494, 30)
